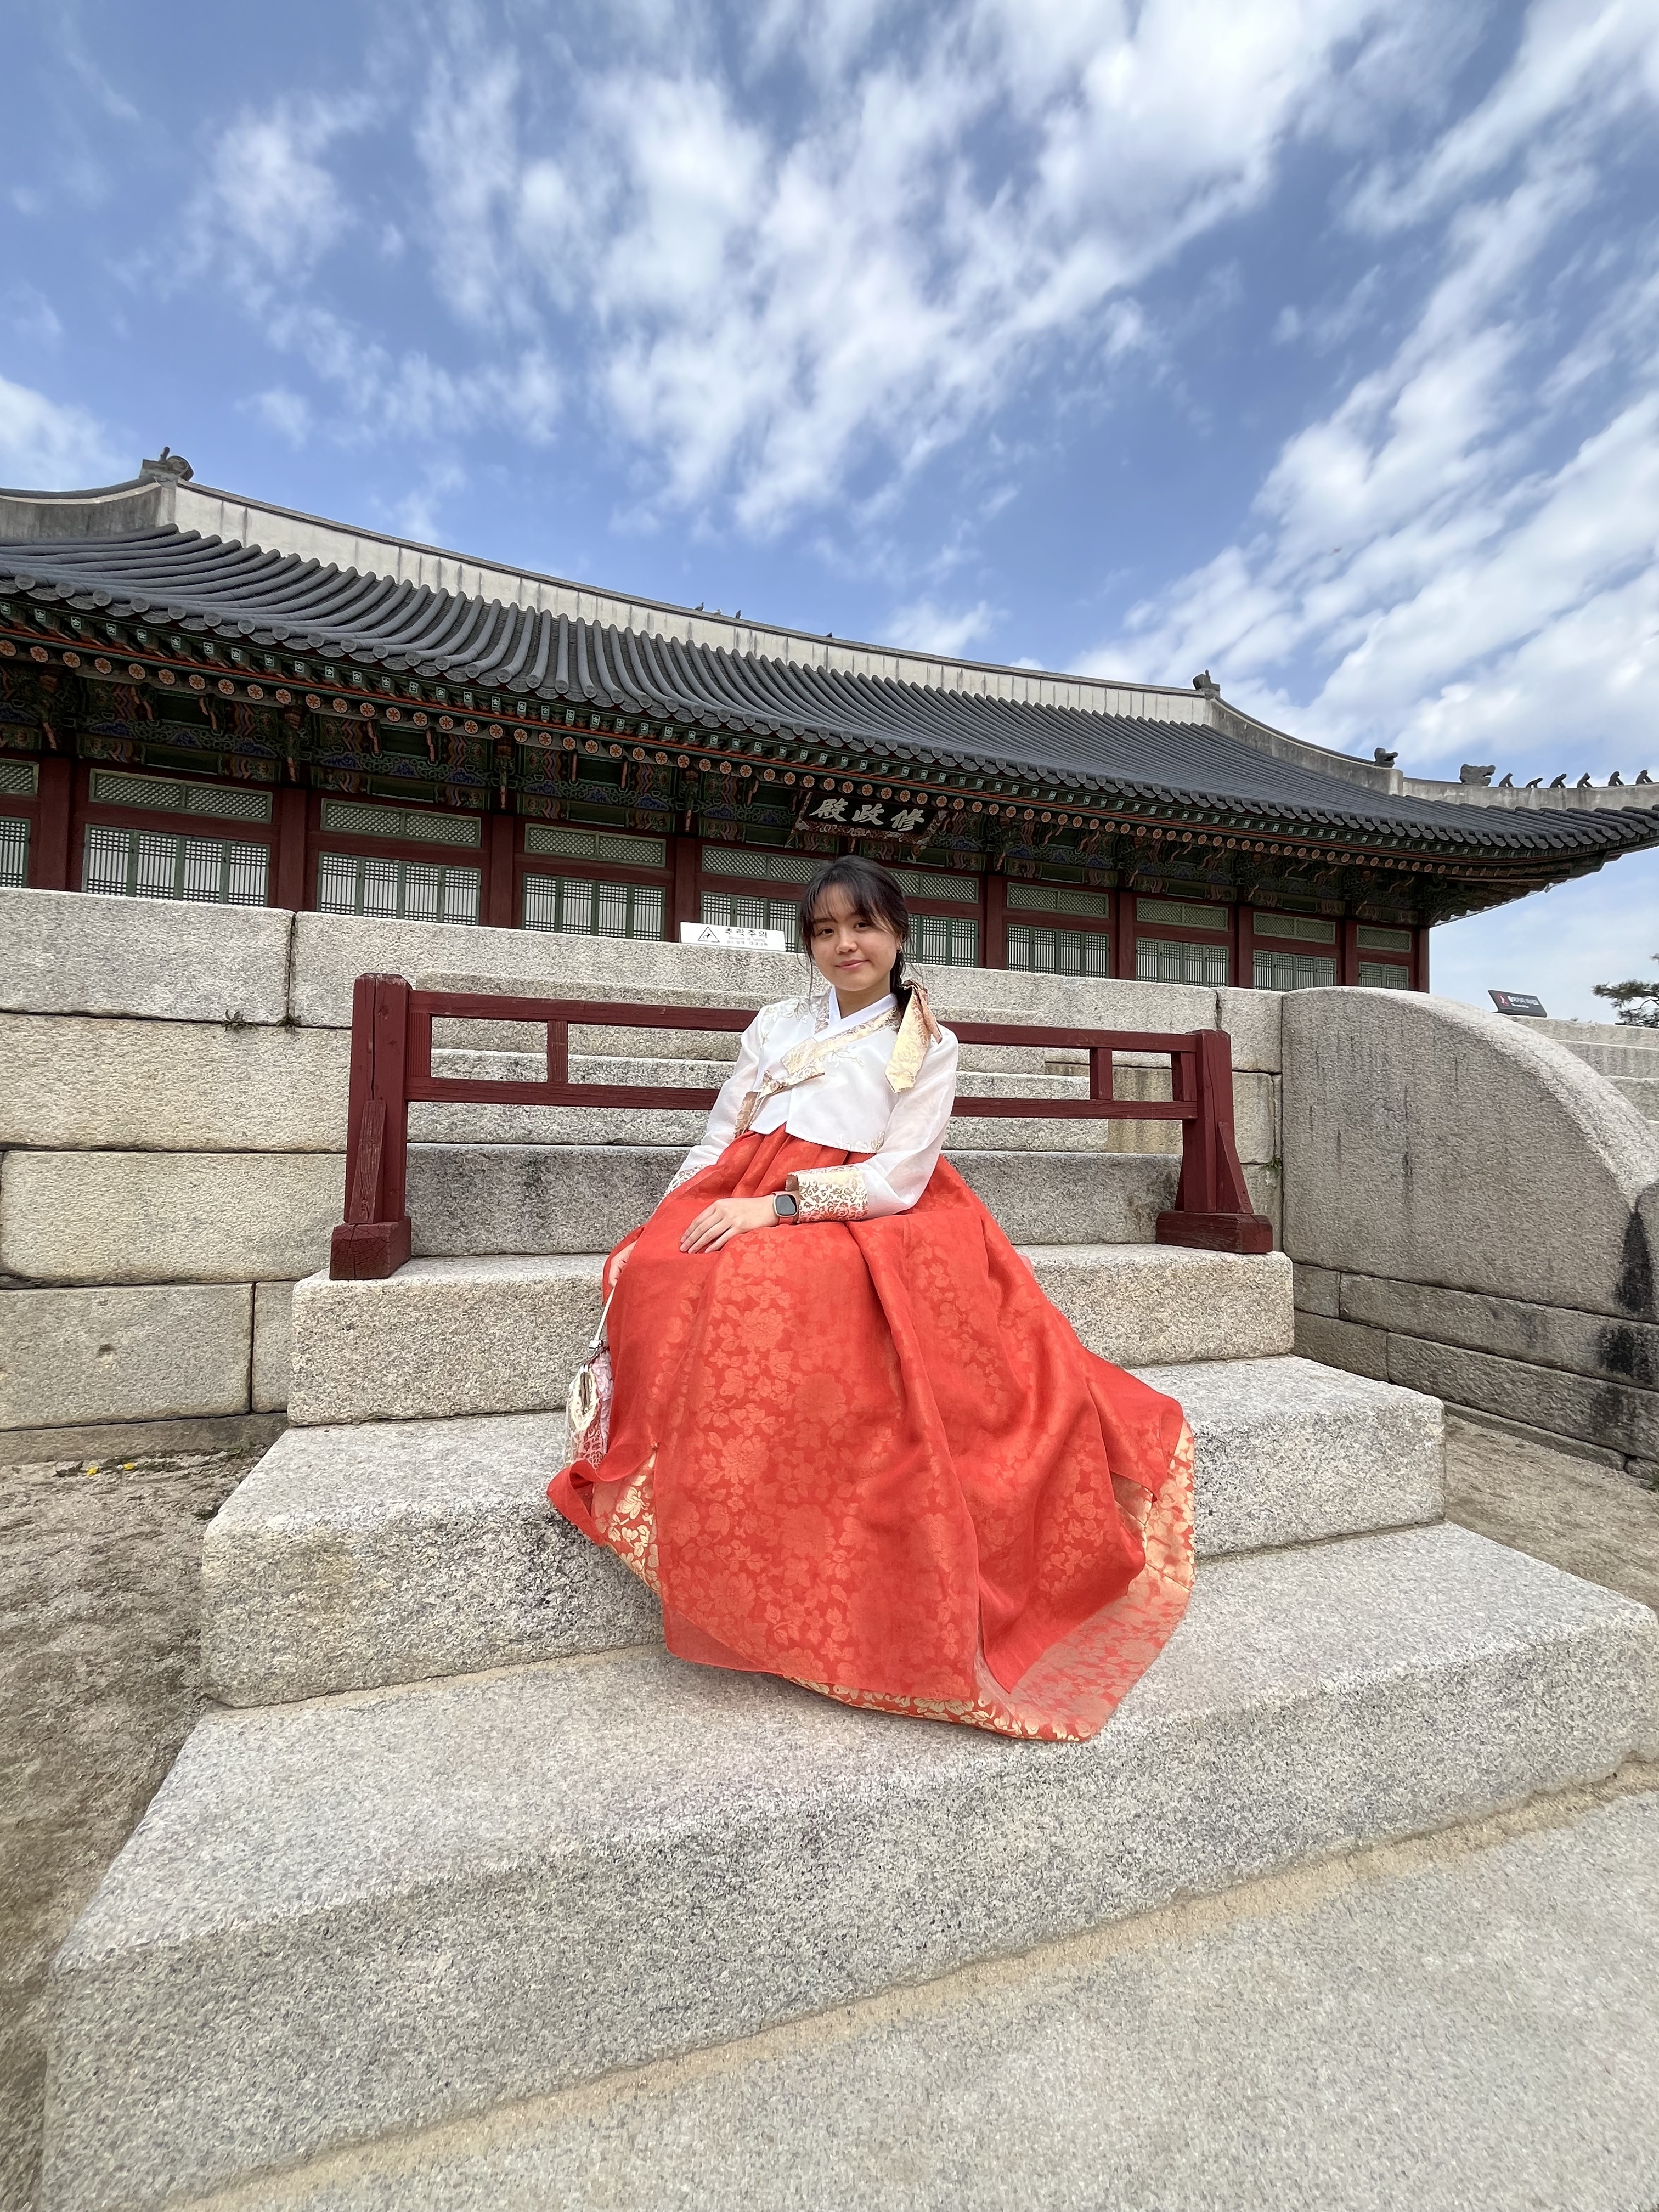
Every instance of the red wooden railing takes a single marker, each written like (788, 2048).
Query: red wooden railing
(391, 1068)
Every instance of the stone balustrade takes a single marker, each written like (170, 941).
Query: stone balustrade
(1474, 1211)
(172, 1115)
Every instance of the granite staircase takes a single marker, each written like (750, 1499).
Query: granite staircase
(1627, 1054)
(466, 1893)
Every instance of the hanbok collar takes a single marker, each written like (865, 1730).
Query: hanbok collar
(805, 1061)
(840, 1021)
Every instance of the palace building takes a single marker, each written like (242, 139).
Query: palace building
(205, 697)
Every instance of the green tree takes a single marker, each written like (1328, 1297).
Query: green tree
(1638, 1003)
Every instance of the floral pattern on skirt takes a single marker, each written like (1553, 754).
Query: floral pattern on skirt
(871, 1457)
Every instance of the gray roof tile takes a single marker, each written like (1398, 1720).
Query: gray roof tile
(282, 599)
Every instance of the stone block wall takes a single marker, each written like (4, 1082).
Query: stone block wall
(170, 1164)
(1474, 1211)
(173, 1108)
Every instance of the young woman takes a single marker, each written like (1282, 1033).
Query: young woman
(851, 1443)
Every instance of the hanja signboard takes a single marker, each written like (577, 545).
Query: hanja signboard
(865, 814)
(741, 940)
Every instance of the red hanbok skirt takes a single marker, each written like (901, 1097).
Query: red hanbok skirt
(872, 1458)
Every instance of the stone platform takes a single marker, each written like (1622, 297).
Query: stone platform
(1464, 2025)
(347, 1917)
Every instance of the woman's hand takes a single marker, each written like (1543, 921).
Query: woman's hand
(726, 1217)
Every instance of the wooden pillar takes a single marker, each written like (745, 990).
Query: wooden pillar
(1239, 970)
(1421, 964)
(1123, 935)
(501, 847)
(1347, 939)
(685, 903)
(49, 847)
(289, 886)
(994, 921)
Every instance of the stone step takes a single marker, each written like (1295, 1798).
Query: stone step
(356, 1557)
(346, 1918)
(1634, 1058)
(497, 1043)
(446, 1338)
(1049, 1076)
(627, 1126)
(1039, 1082)
(479, 1198)
(1275, 2033)
(1642, 1090)
(1037, 1075)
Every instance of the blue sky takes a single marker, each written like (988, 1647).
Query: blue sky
(1316, 341)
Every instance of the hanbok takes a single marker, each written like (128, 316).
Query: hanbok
(862, 1451)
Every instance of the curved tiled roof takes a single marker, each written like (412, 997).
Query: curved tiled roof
(274, 599)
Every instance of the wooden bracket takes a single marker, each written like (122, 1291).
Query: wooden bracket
(1216, 1232)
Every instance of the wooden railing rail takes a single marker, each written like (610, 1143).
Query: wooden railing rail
(391, 1069)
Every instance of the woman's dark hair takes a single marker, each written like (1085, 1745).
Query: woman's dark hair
(874, 895)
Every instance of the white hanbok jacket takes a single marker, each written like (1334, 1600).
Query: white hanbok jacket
(864, 1082)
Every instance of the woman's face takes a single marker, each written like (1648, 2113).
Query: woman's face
(852, 950)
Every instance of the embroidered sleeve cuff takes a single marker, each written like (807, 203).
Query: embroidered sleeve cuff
(830, 1194)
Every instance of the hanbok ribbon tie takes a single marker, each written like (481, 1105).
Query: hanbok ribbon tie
(804, 1063)
(917, 1032)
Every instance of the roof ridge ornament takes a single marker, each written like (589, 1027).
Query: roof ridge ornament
(1205, 686)
(167, 463)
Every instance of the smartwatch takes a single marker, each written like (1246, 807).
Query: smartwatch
(785, 1207)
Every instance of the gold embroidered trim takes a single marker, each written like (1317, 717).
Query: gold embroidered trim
(830, 1194)
(917, 1032)
(978, 1712)
(630, 1525)
(805, 1062)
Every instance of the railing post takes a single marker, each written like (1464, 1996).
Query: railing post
(373, 1240)
(1195, 1193)
(1212, 1209)
(1102, 1061)
(391, 1082)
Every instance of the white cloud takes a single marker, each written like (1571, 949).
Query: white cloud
(1334, 322)
(286, 412)
(31, 315)
(780, 297)
(270, 207)
(1461, 558)
(466, 135)
(48, 446)
(273, 208)
(928, 627)
(408, 396)
(417, 514)
(115, 105)
(1575, 61)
